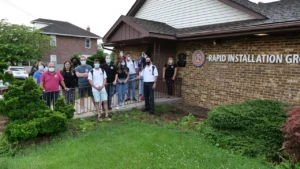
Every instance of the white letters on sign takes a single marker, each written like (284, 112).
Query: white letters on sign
(247, 58)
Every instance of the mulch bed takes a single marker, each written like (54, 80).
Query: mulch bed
(183, 110)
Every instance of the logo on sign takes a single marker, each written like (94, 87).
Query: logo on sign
(198, 58)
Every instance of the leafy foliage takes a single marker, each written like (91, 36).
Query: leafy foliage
(21, 43)
(100, 55)
(28, 114)
(3, 66)
(291, 131)
(62, 106)
(8, 78)
(252, 127)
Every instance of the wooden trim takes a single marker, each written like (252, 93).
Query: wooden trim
(245, 29)
(161, 36)
(213, 36)
(243, 8)
(135, 7)
(127, 21)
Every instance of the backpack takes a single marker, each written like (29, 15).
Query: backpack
(92, 72)
(140, 64)
(153, 67)
(133, 63)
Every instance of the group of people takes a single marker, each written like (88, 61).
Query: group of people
(102, 82)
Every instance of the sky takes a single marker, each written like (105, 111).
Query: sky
(99, 15)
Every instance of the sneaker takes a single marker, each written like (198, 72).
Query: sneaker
(109, 108)
(142, 98)
(145, 110)
(127, 100)
(82, 111)
(117, 108)
(107, 118)
(100, 118)
(134, 100)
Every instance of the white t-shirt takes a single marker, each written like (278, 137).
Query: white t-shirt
(147, 73)
(131, 66)
(98, 78)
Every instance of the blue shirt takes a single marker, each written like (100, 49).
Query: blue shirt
(37, 75)
(83, 82)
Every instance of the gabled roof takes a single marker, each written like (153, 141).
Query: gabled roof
(64, 28)
(283, 15)
(145, 28)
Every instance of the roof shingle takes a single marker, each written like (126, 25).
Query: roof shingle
(64, 28)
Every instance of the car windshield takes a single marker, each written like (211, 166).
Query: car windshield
(17, 69)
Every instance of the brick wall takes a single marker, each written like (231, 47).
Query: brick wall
(134, 50)
(225, 83)
(66, 47)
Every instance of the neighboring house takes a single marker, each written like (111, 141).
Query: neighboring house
(218, 27)
(67, 40)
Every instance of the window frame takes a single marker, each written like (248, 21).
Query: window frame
(90, 43)
(53, 41)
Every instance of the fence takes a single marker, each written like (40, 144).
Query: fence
(82, 98)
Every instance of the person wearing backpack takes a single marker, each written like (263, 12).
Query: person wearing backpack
(97, 79)
(169, 75)
(111, 72)
(141, 65)
(150, 75)
(133, 71)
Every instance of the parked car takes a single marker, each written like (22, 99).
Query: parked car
(17, 71)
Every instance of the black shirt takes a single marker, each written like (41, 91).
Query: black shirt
(110, 71)
(122, 74)
(70, 79)
(170, 69)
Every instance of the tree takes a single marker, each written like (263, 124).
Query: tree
(100, 55)
(20, 43)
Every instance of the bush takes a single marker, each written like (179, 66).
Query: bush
(252, 127)
(63, 107)
(291, 131)
(8, 78)
(3, 66)
(28, 114)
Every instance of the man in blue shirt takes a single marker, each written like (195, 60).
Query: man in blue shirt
(84, 87)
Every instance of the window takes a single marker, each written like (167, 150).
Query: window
(88, 43)
(53, 58)
(53, 40)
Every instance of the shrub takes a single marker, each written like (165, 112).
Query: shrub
(28, 114)
(8, 78)
(63, 107)
(3, 66)
(252, 127)
(291, 131)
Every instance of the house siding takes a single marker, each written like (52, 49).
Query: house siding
(190, 13)
(66, 47)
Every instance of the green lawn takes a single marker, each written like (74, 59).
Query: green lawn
(130, 145)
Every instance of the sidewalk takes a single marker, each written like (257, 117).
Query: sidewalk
(138, 105)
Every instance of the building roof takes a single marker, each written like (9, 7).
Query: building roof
(154, 27)
(270, 17)
(64, 28)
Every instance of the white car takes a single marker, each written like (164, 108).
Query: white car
(18, 72)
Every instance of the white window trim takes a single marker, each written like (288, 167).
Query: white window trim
(86, 43)
(53, 39)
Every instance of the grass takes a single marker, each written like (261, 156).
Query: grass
(130, 144)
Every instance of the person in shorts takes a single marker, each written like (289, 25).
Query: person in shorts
(84, 87)
(97, 79)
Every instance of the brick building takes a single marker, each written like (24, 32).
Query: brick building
(234, 50)
(67, 40)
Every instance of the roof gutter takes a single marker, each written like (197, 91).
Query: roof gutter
(239, 30)
(60, 34)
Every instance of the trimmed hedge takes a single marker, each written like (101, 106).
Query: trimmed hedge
(251, 128)
(28, 114)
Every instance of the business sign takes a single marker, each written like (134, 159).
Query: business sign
(198, 58)
(250, 58)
